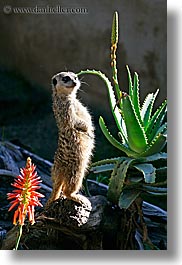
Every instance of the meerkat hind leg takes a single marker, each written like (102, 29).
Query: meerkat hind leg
(55, 194)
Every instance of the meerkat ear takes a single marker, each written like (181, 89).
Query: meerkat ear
(54, 81)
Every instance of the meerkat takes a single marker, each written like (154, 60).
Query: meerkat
(75, 139)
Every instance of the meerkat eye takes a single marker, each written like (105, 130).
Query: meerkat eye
(66, 79)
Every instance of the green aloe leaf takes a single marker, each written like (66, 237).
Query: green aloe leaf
(147, 108)
(102, 168)
(127, 197)
(154, 189)
(112, 140)
(135, 99)
(106, 161)
(130, 83)
(161, 130)
(154, 157)
(137, 140)
(134, 179)
(117, 179)
(156, 120)
(157, 125)
(156, 146)
(115, 110)
(157, 193)
(148, 171)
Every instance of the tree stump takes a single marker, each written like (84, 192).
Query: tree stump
(69, 225)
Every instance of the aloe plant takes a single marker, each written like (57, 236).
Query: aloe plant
(142, 135)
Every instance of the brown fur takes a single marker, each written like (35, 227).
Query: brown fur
(75, 139)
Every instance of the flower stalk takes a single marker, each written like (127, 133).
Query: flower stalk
(114, 42)
(19, 237)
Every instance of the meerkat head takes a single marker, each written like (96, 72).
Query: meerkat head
(65, 83)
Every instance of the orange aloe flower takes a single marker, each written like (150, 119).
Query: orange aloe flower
(25, 196)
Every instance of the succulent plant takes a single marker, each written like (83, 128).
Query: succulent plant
(141, 132)
(142, 135)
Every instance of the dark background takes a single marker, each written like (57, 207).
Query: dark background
(33, 47)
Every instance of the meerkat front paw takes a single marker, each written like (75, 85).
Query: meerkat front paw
(81, 126)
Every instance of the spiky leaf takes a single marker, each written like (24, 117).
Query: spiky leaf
(157, 125)
(154, 157)
(147, 108)
(157, 193)
(102, 168)
(112, 140)
(106, 161)
(115, 110)
(134, 179)
(155, 189)
(117, 179)
(135, 99)
(130, 82)
(156, 146)
(156, 121)
(148, 171)
(161, 130)
(136, 136)
(127, 197)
